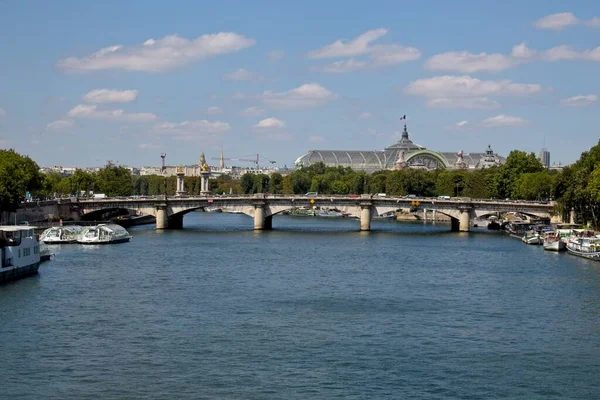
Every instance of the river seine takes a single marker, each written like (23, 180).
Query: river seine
(311, 310)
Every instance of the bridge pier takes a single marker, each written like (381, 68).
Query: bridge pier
(260, 221)
(162, 221)
(464, 222)
(365, 217)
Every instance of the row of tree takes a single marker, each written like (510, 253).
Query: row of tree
(521, 177)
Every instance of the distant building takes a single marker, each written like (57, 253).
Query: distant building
(545, 158)
(403, 154)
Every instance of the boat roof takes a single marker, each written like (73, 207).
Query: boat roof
(14, 228)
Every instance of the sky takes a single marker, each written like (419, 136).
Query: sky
(82, 83)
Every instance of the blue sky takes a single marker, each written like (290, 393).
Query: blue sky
(86, 82)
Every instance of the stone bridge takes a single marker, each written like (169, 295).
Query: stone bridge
(169, 211)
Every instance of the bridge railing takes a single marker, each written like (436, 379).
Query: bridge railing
(324, 197)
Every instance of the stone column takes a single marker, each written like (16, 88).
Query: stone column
(464, 221)
(434, 216)
(259, 217)
(162, 221)
(204, 187)
(365, 217)
(424, 215)
(180, 184)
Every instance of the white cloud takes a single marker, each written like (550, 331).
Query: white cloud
(503, 120)
(316, 139)
(270, 123)
(466, 86)
(556, 21)
(92, 112)
(365, 115)
(244, 75)
(466, 62)
(275, 55)
(563, 20)
(475, 103)
(304, 96)
(378, 55)
(213, 110)
(110, 96)
(340, 48)
(159, 55)
(579, 101)
(462, 124)
(2, 112)
(252, 112)
(60, 125)
(594, 22)
(192, 129)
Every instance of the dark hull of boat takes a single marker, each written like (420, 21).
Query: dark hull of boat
(142, 220)
(18, 273)
(123, 240)
(60, 241)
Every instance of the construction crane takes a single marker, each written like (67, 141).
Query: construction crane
(256, 160)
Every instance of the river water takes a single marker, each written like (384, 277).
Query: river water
(311, 310)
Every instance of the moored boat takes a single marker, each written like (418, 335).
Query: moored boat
(330, 214)
(587, 247)
(104, 234)
(301, 212)
(19, 252)
(554, 242)
(61, 234)
(390, 215)
(532, 237)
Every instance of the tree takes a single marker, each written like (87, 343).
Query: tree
(247, 183)
(82, 181)
(533, 186)
(276, 184)
(18, 175)
(115, 181)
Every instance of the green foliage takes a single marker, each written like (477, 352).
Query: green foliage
(517, 163)
(114, 181)
(578, 186)
(18, 175)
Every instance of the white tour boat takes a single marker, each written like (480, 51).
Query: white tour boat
(587, 247)
(104, 234)
(61, 234)
(19, 252)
